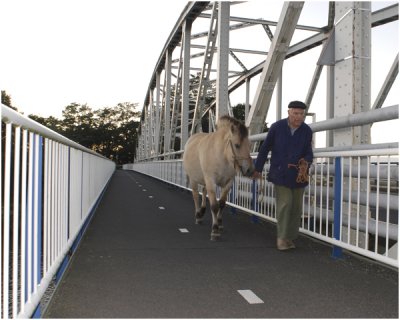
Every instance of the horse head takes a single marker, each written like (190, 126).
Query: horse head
(239, 145)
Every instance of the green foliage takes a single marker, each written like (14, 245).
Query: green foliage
(240, 114)
(6, 100)
(111, 132)
(50, 122)
(239, 111)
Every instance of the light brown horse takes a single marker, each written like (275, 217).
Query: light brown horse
(211, 160)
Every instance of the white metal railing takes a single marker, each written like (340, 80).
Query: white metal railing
(49, 187)
(351, 202)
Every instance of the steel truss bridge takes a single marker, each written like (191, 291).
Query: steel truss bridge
(209, 57)
(215, 55)
(345, 204)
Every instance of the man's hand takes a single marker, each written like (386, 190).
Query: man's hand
(256, 175)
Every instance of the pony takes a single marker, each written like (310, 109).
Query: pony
(211, 160)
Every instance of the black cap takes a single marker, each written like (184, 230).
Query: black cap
(297, 104)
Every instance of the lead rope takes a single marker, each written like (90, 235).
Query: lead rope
(261, 186)
(302, 168)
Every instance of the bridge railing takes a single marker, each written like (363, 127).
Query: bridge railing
(351, 202)
(50, 186)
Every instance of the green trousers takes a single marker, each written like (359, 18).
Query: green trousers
(289, 206)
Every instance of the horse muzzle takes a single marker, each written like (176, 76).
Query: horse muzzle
(247, 168)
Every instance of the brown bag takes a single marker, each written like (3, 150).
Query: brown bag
(302, 167)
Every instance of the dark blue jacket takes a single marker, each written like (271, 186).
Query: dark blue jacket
(285, 149)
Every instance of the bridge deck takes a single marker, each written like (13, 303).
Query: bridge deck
(134, 262)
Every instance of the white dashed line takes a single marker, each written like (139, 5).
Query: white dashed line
(250, 296)
(144, 190)
(184, 230)
(150, 197)
(161, 208)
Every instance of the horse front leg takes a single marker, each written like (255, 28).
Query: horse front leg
(222, 202)
(215, 232)
(197, 209)
(202, 209)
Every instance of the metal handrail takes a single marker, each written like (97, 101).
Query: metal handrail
(51, 187)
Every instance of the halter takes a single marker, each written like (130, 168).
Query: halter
(236, 159)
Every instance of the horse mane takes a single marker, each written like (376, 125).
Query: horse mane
(225, 122)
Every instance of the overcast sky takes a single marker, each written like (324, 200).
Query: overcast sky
(102, 52)
(99, 52)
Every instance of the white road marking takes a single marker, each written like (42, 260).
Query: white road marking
(161, 208)
(184, 230)
(144, 190)
(150, 197)
(250, 296)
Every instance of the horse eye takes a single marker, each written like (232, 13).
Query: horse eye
(237, 146)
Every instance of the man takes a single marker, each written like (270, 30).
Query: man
(290, 143)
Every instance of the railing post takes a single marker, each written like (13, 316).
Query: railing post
(337, 251)
(254, 206)
(232, 196)
(39, 187)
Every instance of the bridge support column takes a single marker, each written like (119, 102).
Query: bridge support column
(167, 103)
(352, 68)
(223, 59)
(187, 29)
(157, 116)
(352, 73)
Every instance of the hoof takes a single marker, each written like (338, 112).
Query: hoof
(215, 236)
(199, 221)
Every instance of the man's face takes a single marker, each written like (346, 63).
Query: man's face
(296, 117)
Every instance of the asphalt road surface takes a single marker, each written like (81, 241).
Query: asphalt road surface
(143, 256)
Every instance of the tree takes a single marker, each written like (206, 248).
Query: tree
(116, 133)
(50, 122)
(240, 114)
(239, 111)
(78, 124)
(6, 100)
(111, 132)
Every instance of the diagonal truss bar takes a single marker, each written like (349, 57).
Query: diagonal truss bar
(313, 86)
(205, 71)
(387, 85)
(177, 100)
(279, 47)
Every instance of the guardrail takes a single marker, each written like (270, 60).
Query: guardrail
(50, 186)
(351, 202)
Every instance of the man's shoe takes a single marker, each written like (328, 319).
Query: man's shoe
(290, 244)
(283, 244)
